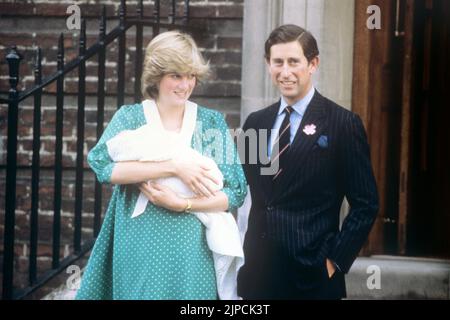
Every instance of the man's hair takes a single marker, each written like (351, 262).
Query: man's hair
(288, 33)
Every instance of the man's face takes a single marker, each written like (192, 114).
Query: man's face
(290, 70)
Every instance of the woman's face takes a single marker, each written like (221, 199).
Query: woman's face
(175, 88)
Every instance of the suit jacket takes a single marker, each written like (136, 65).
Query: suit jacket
(299, 211)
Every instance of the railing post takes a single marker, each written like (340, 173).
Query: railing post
(13, 58)
(121, 58)
(34, 223)
(138, 54)
(156, 17)
(173, 12)
(58, 154)
(80, 140)
(100, 116)
(186, 12)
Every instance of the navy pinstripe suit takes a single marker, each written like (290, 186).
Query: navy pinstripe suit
(294, 221)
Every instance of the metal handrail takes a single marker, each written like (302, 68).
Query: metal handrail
(13, 101)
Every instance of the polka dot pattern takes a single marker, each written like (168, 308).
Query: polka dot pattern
(160, 254)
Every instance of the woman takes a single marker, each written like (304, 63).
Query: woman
(162, 254)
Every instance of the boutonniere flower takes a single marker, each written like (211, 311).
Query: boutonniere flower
(309, 129)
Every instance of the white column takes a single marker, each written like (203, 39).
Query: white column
(336, 51)
(295, 12)
(260, 18)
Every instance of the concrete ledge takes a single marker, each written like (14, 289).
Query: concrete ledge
(61, 293)
(399, 278)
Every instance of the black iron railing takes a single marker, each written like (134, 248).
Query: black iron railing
(13, 101)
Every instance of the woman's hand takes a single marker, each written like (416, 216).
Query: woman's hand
(163, 196)
(196, 176)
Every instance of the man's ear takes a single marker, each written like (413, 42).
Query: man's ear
(313, 65)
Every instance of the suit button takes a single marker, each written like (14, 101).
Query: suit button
(263, 235)
(269, 208)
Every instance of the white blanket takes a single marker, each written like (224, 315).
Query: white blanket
(152, 142)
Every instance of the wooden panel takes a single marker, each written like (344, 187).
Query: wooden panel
(376, 98)
(405, 146)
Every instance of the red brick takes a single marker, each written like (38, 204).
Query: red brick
(10, 39)
(24, 131)
(224, 57)
(229, 43)
(229, 73)
(23, 159)
(67, 161)
(203, 12)
(217, 89)
(233, 11)
(48, 40)
(25, 145)
(16, 9)
(205, 40)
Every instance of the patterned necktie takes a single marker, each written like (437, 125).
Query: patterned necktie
(283, 141)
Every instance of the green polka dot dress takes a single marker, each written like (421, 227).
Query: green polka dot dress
(160, 254)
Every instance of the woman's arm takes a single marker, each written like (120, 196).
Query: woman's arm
(135, 171)
(218, 202)
(194, 175)
(163, 196)
(234, 182)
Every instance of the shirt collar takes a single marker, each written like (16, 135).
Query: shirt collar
(301, 105)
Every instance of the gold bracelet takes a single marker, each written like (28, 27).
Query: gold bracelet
(188, 206)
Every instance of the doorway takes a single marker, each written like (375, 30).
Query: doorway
(401, 90)
(428, 227)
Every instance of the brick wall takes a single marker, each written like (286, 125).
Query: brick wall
(28, 24)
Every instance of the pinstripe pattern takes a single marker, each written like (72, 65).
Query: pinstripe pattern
(299, 211)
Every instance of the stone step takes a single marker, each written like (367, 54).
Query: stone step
(375, 277)
(395, 277)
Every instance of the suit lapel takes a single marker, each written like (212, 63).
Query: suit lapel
(315, 115)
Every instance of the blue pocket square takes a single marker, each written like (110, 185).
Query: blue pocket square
(323, 141)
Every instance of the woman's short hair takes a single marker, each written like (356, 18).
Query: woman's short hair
(291, 32)
(170, 52)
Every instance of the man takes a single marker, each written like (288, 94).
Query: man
(293, 246)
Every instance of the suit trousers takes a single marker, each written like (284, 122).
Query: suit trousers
(273, 275)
